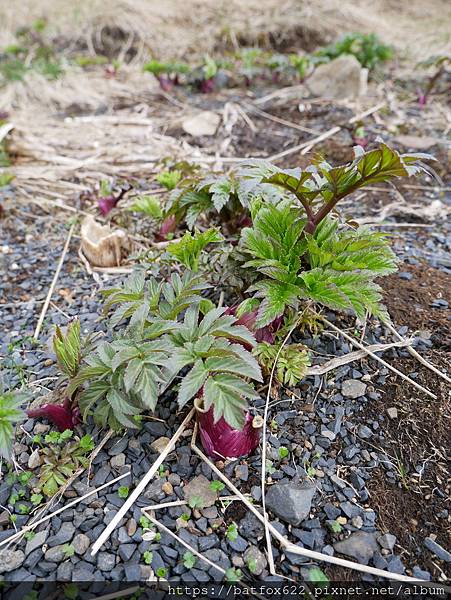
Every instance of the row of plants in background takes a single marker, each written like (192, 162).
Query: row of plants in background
(249, 65)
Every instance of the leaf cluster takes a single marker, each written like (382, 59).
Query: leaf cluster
(67, 348)
(367, 48)
(169, 328)
(292, 361)
(61, 458)
(303, 253)
(11, 413)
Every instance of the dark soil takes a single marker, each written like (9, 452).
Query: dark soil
(416, 443)
(409, 301)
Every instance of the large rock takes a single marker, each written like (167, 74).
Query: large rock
(199, 489)
(340, 78)
(361, 545)
(290, 502)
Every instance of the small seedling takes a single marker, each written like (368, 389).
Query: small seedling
(157, 537)
(311, 472)
(144, 522)
(335, 527)
(252, 565)
(123, 492)
(25, 477)
(189, 560)
(23, 509)
(36, 499)
(283, 452)
(217, 486)
(29, 535)
(148, 557)
(169, 179)
(233, 574)
(185, 517)
(196, 502)
(269, 467)
(68, 550)
(13, 518)
(161, 572)
(149, 205)
(232, 532)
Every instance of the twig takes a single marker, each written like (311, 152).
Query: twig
(53, 284)
(271, 117)
(352, 356)
(63, 508)
(308, 145)
(414, 353)
(382, 361)
(140, 487)
(181, 503)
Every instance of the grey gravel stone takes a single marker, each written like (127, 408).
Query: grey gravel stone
(199, 487)
(126, 551)
(387, 541)
(254, 558)
(64, 535)
(36, 542)
(239, 544)
(81, 543)
(55, 554)
(360, 545)
(438, 550)
(290, 502)
(11, 560)
(353, 388)
(106, 561)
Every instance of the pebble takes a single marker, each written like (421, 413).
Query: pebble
(160, 444)
(387, 541)
(81, 543)
(360, 545)
(199, 488)
(353, 388)
(438, 550)
(10, 560)
(118, 461)
(290, 502)
(392, 412)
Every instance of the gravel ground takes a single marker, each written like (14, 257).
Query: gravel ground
(318, 494)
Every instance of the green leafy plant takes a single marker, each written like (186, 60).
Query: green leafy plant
(367, 48)
(169, 179)
(29, 535)
(67, 348)
(232, 532)
(149, 205)
(36, 499)
(292, 361)
(161, 572)
(252, 565)
(144, 522)
(335, 527)
(68, 550)
(303, 253)
(189, 560)
(126, 376)
(233, 575)
(196, 502)
(5, 178)
(123, 492)
(228, 196)
(61, 459)
(148, 557)
(11, 413)
(188, 249)
(217, 486)
(283, 452)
